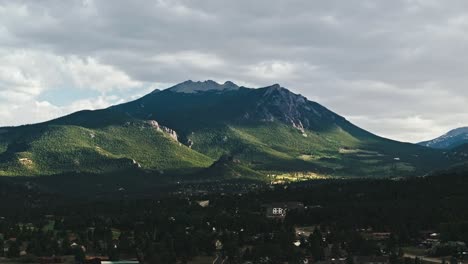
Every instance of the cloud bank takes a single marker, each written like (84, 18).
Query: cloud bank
(396, 68)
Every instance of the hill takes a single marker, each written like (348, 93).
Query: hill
(82, 142)
(271, 132)
(275, 131)
(450, 140)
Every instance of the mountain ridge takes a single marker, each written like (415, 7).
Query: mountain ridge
(449, 140)
(199, 86)
(186, 128)
(273, 106)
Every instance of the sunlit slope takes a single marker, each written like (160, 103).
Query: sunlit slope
(47, 149)
(277, 148)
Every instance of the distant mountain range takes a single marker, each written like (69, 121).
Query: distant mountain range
(206, 130)
(450, 140)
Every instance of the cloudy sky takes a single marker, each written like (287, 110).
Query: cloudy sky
(397, 68)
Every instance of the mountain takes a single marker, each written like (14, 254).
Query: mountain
(187, 129)
(276, 131)
(450, 140)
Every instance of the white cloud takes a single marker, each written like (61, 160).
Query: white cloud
(180, 11)
(279, 70)
(88, 73)
(189, 59)
(94, 103)
(26, 74)
(329, 20)
(32, 111)
(417, 125)
(394, 67)
(31, 72)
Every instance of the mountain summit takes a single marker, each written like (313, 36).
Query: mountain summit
(205, 104)
(450, 140)
(209, 85)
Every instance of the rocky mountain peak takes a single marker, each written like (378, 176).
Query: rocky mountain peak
(273, 103)
(279, 104)
(457, 132)
(208, 85)
(451, 139)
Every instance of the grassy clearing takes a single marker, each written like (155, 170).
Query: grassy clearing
(295, 177)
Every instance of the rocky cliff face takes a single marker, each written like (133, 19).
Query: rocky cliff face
(154, 124)
(280, 104)
(194, 106)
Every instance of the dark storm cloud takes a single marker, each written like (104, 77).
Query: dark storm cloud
(396, 68)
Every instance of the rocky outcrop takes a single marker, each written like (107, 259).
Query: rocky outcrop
(136, 164)
(26, 162)
(299, 127)
(190, 143)
(154, 124)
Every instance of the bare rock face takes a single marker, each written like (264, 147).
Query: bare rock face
(154, 124)
(190, 143)
(279, 104)
(170, 132)
(209, 85)
(26, 162)
(298, 126)
(284, 106)
(136, 164)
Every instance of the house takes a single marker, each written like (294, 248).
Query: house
(204, 203)
(371, 260)
(279, 210)
(304, 231)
